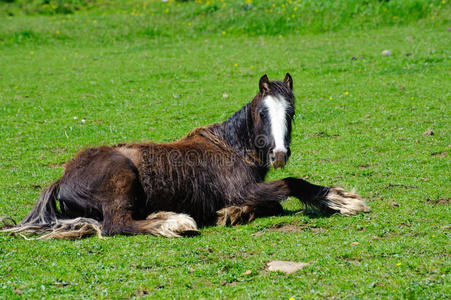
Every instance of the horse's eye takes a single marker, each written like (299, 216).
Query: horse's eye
(262, 114)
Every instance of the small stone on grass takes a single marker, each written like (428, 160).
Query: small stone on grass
(428, 132)
(287, 267)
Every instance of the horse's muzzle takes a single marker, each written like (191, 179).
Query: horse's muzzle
(278, 159)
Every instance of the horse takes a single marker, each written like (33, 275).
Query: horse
(213, 175)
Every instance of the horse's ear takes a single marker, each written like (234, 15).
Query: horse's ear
(288, 81)
(264, 84)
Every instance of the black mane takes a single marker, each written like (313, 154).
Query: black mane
(237, 130)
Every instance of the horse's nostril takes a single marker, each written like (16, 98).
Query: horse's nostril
(278, 156)
(272, 156)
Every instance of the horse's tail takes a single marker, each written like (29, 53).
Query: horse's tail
(47, 221)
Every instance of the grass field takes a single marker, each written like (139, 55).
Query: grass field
(112, 73)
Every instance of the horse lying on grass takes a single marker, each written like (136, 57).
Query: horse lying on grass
(214, 175)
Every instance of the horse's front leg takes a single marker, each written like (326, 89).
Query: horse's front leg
(263, 199)
(328, 200)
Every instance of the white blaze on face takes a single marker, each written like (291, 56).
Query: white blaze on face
(277, 110)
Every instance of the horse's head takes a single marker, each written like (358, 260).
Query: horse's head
(272, 113)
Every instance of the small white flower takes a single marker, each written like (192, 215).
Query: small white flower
(75, 118)
(83, 120)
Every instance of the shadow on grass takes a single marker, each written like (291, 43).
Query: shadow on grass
(310, 212)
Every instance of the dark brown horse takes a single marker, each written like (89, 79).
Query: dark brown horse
(214, 175)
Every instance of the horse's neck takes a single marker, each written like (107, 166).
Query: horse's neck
(237, 131)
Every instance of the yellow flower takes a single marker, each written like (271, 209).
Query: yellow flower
(443, 2)
(166, 10)
(330, 98)
(291, 298)
(189, 23)
(273, 5)
(398, 264)
(235, 65)
(316, 10)
(433, 235)
(16, 87)
(347, 93)
(295, 9)
(411, 98)
(248, 1)
(252, 67)
(292, 16)
(223, 33)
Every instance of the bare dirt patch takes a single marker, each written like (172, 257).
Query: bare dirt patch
(59, 165)
(443, 153)
(401, 186)
(288, 228)
(441, 201)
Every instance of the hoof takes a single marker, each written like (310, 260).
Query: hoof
(174, 225)
(233, 215)
(344, 202)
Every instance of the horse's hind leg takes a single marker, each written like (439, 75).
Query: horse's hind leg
(118, 220)
(168, 224)
(124, 203)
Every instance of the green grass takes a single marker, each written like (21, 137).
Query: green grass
(104, 22)
(359, 123)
